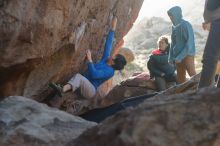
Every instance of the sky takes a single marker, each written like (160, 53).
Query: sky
(159, 7)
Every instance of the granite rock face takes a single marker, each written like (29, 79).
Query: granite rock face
(135, 86)
(76, 104)
(24, 122)
(43, 41)
(129, 88)
(186, 119)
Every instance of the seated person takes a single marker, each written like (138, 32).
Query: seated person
(97, 73)
(158, 65)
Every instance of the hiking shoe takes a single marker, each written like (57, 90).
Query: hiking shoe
(57, 88)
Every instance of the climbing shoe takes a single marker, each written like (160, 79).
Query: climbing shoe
(57, 88)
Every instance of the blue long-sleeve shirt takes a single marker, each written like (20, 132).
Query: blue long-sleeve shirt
(182, 36)
(101, 71)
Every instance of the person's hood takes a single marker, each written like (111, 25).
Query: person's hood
(176, 13)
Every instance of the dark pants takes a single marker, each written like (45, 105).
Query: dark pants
(211, 55)
(160, 83)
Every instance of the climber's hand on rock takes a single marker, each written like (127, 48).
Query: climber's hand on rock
(88, 55)
(114, 23)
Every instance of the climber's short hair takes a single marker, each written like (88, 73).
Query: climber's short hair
(119, 62)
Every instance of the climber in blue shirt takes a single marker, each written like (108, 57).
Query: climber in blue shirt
(97, 73)
(182, 50)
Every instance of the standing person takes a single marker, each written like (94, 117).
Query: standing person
(182, 50)
(212, 49)
(158, 64)
(96, 74)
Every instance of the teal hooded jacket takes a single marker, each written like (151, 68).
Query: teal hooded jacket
(182, 37)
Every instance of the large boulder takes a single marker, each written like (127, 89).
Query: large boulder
(127, 53)
(141, 84)
(43, 41)
(76, 104)
(137, 85)
(187, 119)
(190, 85)
(24, 122)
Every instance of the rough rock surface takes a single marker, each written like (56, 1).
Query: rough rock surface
(137, 85)
(24, 122)
(128, 88)
(43, 41)
(128, 54)
(191, 84)
(76, 104)
(187, 119)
